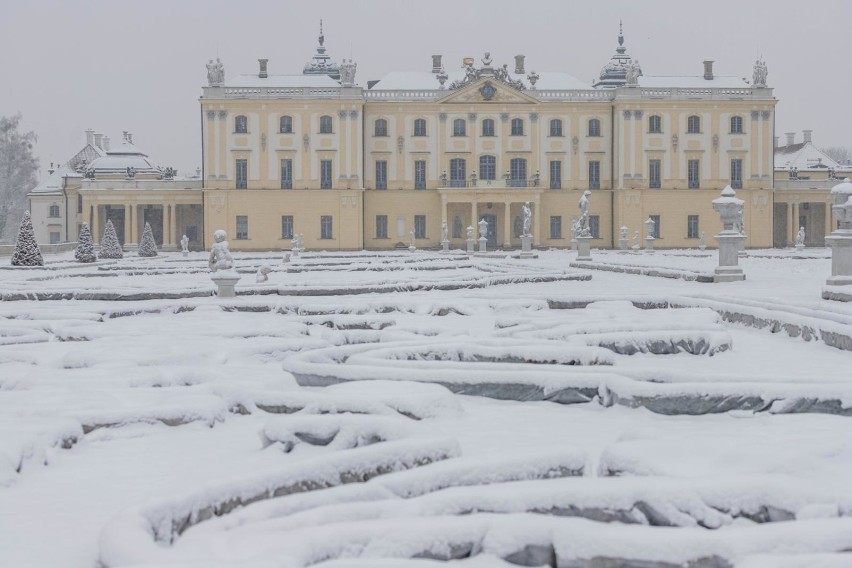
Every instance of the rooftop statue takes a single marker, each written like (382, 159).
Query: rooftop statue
(760, 73)
(215, 73)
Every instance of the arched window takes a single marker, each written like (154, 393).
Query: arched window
(285, 125)
(488, 127)
(325, 124)
(381, 127)
(693, 124)
(556, 127)
(420, 127)
(517, 127)
(518, 172)
(459, 127)
(54, 211)
(487, 168)
(458, 172)
(240, 124)
(594, 127)
(736, 125)
(655, 124)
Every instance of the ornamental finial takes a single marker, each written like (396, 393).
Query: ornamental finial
(321, 37)
(620, 33)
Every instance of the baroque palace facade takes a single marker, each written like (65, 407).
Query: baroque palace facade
(354, 167)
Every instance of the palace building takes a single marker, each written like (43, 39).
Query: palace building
(355, 166)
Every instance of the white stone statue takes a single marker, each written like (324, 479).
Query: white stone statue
(347, 73)
(220, 255)
(760, 74)
(527, 219)
(585, 231)
(215, 73)
(262, 274)
(184, 244)
(469, 233)
(483, 229)
(702, 242)
(445, 232)
(800, 237)
(411, 234)
(623, 232)
(635, 240)
(632, 73)
(740, 223)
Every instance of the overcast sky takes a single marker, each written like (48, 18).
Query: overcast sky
(139, 65)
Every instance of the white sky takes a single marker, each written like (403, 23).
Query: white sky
(68, 65)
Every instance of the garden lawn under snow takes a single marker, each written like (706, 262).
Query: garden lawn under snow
(423, 409)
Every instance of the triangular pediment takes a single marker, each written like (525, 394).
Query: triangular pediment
(488, 90)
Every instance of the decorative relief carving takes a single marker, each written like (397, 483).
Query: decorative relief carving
(341, 114)
(755, 115)
(353, 114)
(533, 116)
(637, 114)
(211, 114)
(504, 117)
(765, 114)
(223, 114)
(627, 114)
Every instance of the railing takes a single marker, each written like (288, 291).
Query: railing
(492, 183)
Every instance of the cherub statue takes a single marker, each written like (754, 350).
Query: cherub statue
(184, 244)
(220, 254)
(800, 237)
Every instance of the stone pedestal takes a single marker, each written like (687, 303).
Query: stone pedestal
(185, 253)
(840, 243)
(470, 246)
(702, 247)
(584, 248)
(800, 248)
(574, 244)
(622, 243)
(729, 269)
(483, 244)
(526, 246)
(649, 243)
(225, 281)
(445, 246)
(412, 248)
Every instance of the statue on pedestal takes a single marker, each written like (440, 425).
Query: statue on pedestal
(527, 219)
(262, 274)
(585, 230)
(800, 237)
(220, 254)
(445, 233)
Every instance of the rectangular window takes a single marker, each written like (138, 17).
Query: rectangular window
(420, 226)
(242, 173)
(737, 173)
(326, 227)
(381, 174)
(595, 226)
(654, 174)
(54, 238)
(692, 226)
(694, 173)
(286, 226)
(555, 227)
(287, 173)
(242, 227)
(656, 220)
(594, 174)
(381, 226)
(555, 174)
(325, 174)
(419, 174)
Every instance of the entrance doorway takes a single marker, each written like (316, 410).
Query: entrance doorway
(492, 230)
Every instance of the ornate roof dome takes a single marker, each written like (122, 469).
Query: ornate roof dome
(614, 73)
(117, 161)
(321, 64)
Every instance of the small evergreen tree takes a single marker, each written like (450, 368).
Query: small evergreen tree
(85, 247)
(147, 247)
(27, 252)
(110, 247)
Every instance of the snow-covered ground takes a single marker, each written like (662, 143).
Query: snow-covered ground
(425, 409)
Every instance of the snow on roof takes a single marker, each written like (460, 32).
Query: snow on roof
(805, 156)
(426, 80)
(282, 81)
(692, 82)
(53, 182)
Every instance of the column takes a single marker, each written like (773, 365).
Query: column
(134, 236)
(829, 225)
(174, 239)
(128, 213)
(537, 220)
(444, 212)
(793, 229)
(473, 219)
(507, 223)
(95, 224)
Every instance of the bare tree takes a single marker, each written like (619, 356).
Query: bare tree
(840, 154)
(18, 168)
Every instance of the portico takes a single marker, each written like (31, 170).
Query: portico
(500, 205)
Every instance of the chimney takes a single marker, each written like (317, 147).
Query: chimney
(436, 63)
(90, 136)
(519, 64)
(708, 70)
(791, 138)
(99, 141)
(106, 144)
(807, 135)
(777, 139)
(262, 74)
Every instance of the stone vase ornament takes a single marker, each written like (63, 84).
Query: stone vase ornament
(622, 241)
(730, 239)
(840, 240)
(649, 235)
(483, 236)
(469, 240)
(221, 264)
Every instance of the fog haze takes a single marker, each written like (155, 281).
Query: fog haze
(139, 66)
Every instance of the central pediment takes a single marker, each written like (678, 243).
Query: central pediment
(488, 90)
